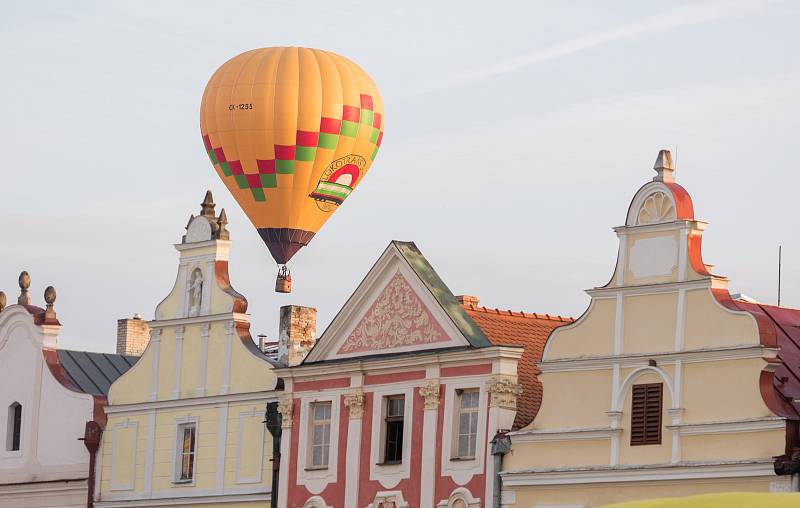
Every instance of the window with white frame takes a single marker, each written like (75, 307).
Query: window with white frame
(14, 427)
(395, 407)
(186, 448)
(320, 435)
(468, 402)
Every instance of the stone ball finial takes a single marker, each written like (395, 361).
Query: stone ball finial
(50, 295)
(3, 300)
(24, 284)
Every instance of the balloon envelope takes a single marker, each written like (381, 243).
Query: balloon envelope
(291, 132)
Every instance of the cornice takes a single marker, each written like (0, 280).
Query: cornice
(211, 318)
(744, 351)
(639, 473)
(665, 287)
(266, 396)
(729, 426)
(349, 366)
(535, 435)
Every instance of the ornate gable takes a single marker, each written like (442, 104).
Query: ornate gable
(401, 306)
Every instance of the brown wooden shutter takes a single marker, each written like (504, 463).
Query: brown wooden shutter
(646, 414)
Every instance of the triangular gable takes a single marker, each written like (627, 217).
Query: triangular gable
(401, 306)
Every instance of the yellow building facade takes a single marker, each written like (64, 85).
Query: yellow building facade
(664, 387)
(185, 425)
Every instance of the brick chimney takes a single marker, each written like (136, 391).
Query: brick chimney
(297, 333)
(468, 300)
(132, 336)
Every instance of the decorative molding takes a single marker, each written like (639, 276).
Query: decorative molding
(127, 424)
(259, 397)
(657, 208)
(534, 435)
(205, 329)
(729, 426)
(285, 408)
(222, 444)
(460, 494)
(185, 497)
(649, 289)
(390, 499)
(315, 502)
(252, 413)
(504, 391)
(462, 471)
(430, 392)
(151, 439)
(199, 320)
(177, 447)
(638, 473)
(230, 327)
(176, 384)
(663, 358)
(155, 342)
(355, 403)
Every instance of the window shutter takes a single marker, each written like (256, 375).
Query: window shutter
(646, 414)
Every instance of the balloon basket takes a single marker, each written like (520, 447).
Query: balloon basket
(283, 283)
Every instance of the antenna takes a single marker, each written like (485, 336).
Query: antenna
(779, 275)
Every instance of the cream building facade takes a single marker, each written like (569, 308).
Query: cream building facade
(667, 385)
(185, 425)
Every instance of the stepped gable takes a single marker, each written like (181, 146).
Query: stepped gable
(505, 327)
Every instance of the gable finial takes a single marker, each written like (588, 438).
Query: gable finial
(207, 206)
(664, 167)
(222, 221)
(24, 284)
(50, 299)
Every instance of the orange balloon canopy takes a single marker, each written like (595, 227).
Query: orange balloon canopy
(291, 132)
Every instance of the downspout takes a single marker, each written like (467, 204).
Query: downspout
(501, 444)
(273, 423)
(788, 464)
(91, 439)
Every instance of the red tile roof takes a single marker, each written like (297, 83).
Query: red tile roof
(504, 327)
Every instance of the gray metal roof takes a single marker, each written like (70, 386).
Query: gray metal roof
(94, 372)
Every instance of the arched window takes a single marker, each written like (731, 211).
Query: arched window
(14, 427)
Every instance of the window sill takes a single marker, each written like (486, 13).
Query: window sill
(183, 483)
(317, 468)
(390, 463)
(462, 459)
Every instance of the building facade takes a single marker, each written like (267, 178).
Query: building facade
(185, 426)
(51, 406)
(398, 402)
(667, 385)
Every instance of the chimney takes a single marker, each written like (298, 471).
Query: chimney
(297, 333)
(132, 336)
(468, 300)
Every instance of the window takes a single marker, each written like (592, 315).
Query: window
(321, 434)
(646, 414)
(467, 423)
(14, 427)
(187, 442)
(395, 410)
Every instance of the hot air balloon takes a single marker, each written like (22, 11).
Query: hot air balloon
(291, 132)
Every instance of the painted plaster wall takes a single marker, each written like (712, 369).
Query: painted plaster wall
(605, 493)
(594, 337)
(591, 388)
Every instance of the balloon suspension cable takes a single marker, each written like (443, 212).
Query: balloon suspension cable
(283, 283)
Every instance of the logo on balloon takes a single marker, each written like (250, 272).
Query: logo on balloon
(338, 181)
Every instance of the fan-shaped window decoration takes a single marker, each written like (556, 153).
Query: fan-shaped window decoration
(656, 208)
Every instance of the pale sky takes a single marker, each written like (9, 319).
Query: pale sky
(516, 135)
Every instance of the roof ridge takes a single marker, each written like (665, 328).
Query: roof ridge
(522, 313)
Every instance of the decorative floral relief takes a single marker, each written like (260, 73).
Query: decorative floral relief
(656, 208)
(398, 318)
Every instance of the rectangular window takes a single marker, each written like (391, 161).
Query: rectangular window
(393, 446)
(468, 401)
(646, 414)
(187, 441)
(320, 434)
(14, 427)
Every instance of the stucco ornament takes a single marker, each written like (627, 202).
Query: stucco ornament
(504, 392)
(397, 318)
(656, 208)
(430, 392)
(285, 408)
(355, 403)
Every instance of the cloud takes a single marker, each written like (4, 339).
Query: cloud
(691, 14)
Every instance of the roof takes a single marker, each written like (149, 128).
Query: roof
(93, 373)
(504, 327)
(471, 331)
(785, 324)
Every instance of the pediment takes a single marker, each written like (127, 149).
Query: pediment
(392, 311)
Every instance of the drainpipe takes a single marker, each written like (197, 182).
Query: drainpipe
(501, 444)
(91, 439)
(273, 422)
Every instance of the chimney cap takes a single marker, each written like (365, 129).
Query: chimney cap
(137, 316)
(468, 300)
